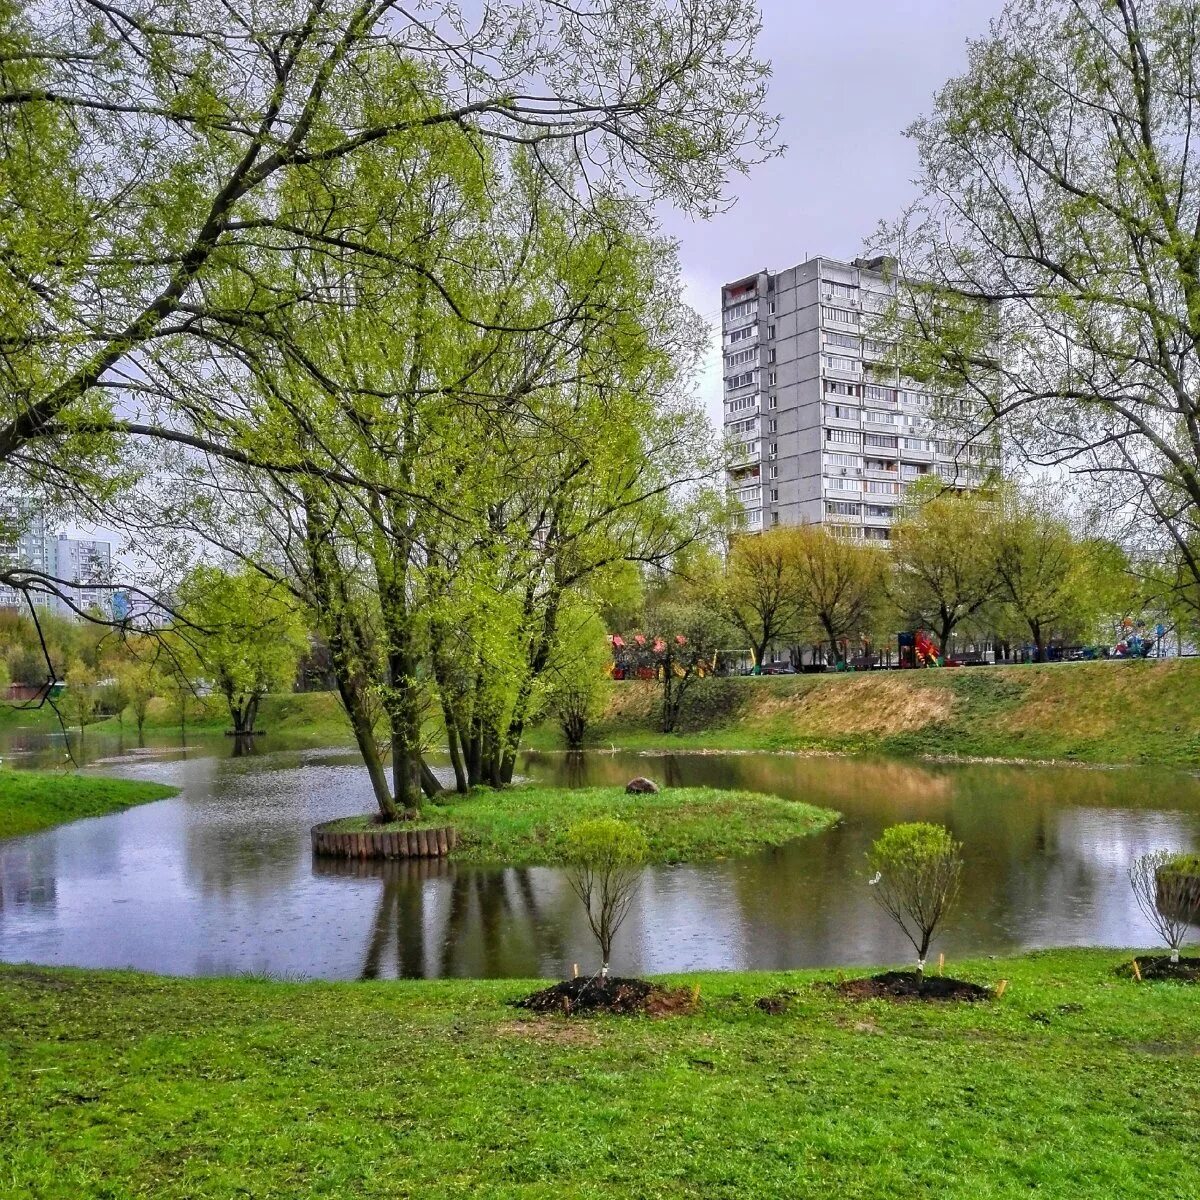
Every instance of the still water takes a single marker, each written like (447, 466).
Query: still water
(220, 879)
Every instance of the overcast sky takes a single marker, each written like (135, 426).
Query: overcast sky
(848, 78)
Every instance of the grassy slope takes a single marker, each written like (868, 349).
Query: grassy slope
(316, 715)
(527, 825)
(1093, 712)
(33, 800)
(120, 1085)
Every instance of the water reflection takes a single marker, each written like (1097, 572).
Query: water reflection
(221, 879)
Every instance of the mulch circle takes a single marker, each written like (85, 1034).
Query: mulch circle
(908, 985)
(1186, 970)
(627, 997)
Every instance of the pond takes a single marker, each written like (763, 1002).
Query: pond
(220, 879)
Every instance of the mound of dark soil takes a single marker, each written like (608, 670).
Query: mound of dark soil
(578, 997)
(907, 985)
(1186, 970)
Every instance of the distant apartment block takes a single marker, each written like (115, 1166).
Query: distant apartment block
(83, 566)
(825, 431)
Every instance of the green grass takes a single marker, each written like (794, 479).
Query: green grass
(33, 800)
(1097, 712)
(527, 825)
(1074, 1084)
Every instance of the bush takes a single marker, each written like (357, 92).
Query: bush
(1166, 886)
(605, 856)
(916, 869)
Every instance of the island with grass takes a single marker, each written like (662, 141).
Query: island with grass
(529, 826)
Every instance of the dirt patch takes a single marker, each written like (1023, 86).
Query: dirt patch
(1160, 967)
(907, 985)
(871, 703)
(625, 997)
(558, 1033)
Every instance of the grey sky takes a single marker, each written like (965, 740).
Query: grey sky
(848, 78)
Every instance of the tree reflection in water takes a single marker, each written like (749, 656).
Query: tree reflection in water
(437, 919)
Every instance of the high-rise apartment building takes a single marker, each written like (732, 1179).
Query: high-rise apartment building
(825, 431)
(83, 566)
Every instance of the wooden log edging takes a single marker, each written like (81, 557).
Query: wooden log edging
(383, 843)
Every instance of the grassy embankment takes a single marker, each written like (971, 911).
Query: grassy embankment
(1103, 712)
(527, 825)
(33, 800)
(314, 716)
(1074, 1083)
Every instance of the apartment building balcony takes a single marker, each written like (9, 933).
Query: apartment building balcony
(831, 422)
(889, 452)
(876, 473)
(850, 374)
(751, 519)
(916, 456)
(851, 493)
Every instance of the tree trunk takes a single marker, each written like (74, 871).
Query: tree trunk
(456, 760)
(430, 784)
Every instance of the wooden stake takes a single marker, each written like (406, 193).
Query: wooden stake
(941, 964)
(1000, 988)
(1137, 971)
(574, 970)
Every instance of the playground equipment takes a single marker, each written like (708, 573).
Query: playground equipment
(918, 649)
(1136, 640)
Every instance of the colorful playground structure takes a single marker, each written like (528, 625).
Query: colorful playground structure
(918, 649)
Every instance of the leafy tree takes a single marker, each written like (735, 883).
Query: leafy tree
(762, 593)
(916, 872)
(839, 585)
(176, 176)
(246, 635)
(1043, 573)
(578, 675)
(138, 682)
(605, 857)
(1050, 273)
(944, 572)
(79, 699)
(1166, 886)
(681, 643)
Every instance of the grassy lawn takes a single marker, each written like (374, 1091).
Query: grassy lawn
(1099, 712)
(1074, 1084)
(33, 800)
(527, 825)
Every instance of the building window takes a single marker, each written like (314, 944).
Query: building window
(841, 508)
(843, 316)
(771, 378)
(744, 380)
(881, 395)
(845, 291)
(847, 437)
(881, 440)
(773, 473)
(771, 355)
(772, 425)
(740, 335)
(771, 308)
(772, 400)
(770, 333)
(835, 387)
(774, 495)
(774, 447)
(846, 340)
(835, 362)
(740, 310)
(774, 518)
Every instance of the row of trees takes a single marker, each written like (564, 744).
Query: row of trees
(990, 564)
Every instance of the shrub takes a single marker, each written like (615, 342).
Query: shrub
(605, 858)
(916, 872)
(1166, 886)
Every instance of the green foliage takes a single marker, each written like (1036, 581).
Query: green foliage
(916, 869)
(605, 843)
(832, 1098)
(241, 631)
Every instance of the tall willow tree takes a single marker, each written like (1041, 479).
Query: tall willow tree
(173, 179)
(1061, 179)
(505, 392)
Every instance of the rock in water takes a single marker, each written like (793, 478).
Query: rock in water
(640, 786)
